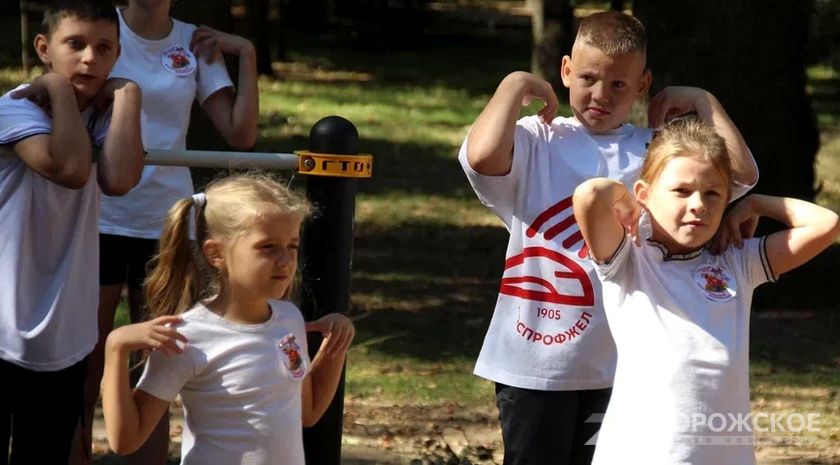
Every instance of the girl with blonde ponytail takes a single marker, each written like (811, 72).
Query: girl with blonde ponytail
(224, 336)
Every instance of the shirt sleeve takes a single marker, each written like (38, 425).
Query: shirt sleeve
(739, 190)
(211, 78)
(20, 119)
(752, 260)
(499, 192)
(164, 376)
(612, 269)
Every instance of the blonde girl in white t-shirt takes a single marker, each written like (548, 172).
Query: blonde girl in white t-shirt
(175, 64)
(679, 314)
(238, 356)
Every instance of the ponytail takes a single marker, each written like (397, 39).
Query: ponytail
(175, 283)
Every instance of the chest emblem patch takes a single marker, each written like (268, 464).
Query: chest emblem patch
(291, 356)
(178, 60)
(715, 282)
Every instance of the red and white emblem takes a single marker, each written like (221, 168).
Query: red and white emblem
(715, 282)
(178, 60)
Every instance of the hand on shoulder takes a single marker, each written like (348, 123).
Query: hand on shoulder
(210, 42)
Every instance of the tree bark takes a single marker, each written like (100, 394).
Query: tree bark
(257, 11)
(553, 36)
(751, 57)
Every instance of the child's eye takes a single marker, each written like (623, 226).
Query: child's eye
(587, 78)
(104, 48)
(618, 84)
(75, 44)
(681, 190)
(267, 247)
(294, 246)
(713, 194)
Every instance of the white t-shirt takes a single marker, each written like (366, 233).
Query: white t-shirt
(49, 249)
(548, 330)
(681, 325)
(171, 78)
(240, 386)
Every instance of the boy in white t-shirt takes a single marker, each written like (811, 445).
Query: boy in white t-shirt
(548, 347)
(49, 212)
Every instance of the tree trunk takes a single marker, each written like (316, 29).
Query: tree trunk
(257, 11)
(311, 15)
(553, 36)
(751, 57)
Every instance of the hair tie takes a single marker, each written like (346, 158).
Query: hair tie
(199, 199)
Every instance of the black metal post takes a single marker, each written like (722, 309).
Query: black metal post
(326, 263)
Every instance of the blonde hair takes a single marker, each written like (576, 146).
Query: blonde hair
(613, 33)
(686, 137)
(180, 275)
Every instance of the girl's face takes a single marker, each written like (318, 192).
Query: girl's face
(686, 203)
(262, 262)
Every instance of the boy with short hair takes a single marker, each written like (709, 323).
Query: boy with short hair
(548, 347)
(49, 209)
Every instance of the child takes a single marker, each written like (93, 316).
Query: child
(175, 64)
(239, 358)
(49, 212)
(548, 347)
(680, 315)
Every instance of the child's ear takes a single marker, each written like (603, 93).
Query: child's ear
(644, 85)
(566, 70)
(214, 253)
(42, 48)
(640, 190)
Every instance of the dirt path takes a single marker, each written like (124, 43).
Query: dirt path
(385, 433)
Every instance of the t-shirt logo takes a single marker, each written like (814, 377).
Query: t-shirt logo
(178, 60)
(551, 288)
(715, 282)
(291, 356)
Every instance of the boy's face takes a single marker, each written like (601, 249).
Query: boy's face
(82, 51)
(602, 88)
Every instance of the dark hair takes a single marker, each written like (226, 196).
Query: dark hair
(613, 33)
(89, 10)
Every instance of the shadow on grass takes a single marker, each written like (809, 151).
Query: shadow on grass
(475, 64)
(436, 286)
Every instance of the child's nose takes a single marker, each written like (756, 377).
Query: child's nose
(697, 204)
(600, 92)
(88, 55)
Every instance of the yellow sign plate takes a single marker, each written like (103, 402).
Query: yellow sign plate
(342, 166)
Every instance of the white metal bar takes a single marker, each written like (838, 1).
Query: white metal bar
(216, 159)
(212, 159)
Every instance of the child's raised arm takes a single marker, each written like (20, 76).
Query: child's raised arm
(605, 211)
(64, 155)
(325, 373)
(130, 417)
(675, 101)
(120, 163)
(812, 229)
(490, 142)
(235, 117)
